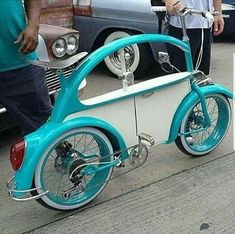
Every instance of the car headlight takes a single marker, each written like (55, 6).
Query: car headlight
(72, 45)
(66, 44)
(59, 47)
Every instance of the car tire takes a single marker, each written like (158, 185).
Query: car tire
(141, 57)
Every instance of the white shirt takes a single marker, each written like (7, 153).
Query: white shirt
(194, 21)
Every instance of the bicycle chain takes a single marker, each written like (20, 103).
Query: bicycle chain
(138, 147)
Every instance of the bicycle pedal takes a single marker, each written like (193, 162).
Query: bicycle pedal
(146, 139)
(120, 165)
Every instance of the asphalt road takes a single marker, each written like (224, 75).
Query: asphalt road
(170, 193)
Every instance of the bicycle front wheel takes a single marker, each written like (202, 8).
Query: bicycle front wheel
(60, 168)
(200, 141)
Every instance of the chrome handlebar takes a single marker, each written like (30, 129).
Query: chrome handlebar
(185, 11)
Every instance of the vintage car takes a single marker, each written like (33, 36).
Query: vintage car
(101, 22)
(55, 43)
(228, 7)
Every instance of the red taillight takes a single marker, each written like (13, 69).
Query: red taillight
(17, 154)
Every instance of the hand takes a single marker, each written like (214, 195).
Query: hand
(172, 8)
(218, 25)
(28, 39)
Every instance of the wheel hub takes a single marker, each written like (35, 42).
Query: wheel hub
(74, 171)
(196, 120)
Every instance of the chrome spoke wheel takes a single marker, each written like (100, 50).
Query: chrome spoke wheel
(61, 172)
(195, 137)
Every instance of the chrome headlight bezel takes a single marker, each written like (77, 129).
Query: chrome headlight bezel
(63, 47)
(67, 39)
(72, 46)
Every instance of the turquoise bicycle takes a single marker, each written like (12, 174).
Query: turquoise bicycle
(67, 162)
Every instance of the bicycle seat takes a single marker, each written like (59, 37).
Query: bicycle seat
(60, 64)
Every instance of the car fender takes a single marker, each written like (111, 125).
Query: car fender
(155, 47)
(41, 50)
(190, 100)
(38, 142)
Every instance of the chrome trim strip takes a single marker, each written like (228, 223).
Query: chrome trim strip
(29, 198)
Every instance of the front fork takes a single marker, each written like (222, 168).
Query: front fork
(207, 120)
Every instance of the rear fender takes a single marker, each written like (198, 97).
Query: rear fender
(38, 142)
(190, 100)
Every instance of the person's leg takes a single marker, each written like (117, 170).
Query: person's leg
(28, 101)
(177, 57)
(206, 58)
(195, 36)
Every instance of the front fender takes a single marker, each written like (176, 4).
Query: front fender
(38, 142)
(190, 100)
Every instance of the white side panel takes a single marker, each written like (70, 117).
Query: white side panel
(155, 112)
(121, 115)
(139, 87)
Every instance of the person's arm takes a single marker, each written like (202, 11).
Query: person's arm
(172, 6)
(29, 36)
(218, 19)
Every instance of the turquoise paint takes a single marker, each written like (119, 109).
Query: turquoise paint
(218, 132)
(188, 101)
(44, 136)
(93, 186)
(197, 89)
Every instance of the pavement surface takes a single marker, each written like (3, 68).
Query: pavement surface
(170, 193)
(199, 200)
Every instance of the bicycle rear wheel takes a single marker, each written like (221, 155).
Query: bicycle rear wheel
(59, 170)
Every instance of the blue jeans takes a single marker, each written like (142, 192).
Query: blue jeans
(24, 93)
(177, 55)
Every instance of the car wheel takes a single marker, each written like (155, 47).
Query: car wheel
(140, 56)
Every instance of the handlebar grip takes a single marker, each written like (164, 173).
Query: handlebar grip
(209, 17)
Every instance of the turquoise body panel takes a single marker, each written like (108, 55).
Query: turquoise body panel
(188, 101)
(67, 104)
(39, 141)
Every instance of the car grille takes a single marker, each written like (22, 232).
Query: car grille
(52, 78)
(53, 84)
(6, 121)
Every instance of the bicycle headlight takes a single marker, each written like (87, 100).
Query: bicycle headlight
(59, 47)
(72, 45)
